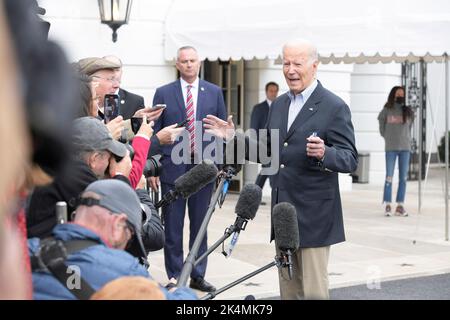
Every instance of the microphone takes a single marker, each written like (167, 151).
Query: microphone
(190, 182)
(246, 207)
(285, 226)
(61, 212)
(231, 167)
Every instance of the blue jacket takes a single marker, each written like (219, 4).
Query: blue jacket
(98, 265)
(209, 101)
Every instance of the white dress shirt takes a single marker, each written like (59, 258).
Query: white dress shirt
(298, 101)
(194, 91)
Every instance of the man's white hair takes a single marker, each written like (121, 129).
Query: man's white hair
(304, 43)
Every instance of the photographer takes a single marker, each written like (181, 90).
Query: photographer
(94, 157)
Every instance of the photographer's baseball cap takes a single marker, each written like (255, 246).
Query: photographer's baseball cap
(91, 65)
(118, 197)
(90, 134)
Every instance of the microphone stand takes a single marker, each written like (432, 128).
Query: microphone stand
(278, 261)
(239, 225)
(190, 260)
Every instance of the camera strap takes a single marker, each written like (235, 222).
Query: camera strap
(52, 255)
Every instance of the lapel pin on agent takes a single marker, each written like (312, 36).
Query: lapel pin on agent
(201, 88)
(122, 101)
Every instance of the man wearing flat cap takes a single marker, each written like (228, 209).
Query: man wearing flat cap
(102, 72)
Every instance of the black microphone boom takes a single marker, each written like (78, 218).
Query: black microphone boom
(286, 238)
(246, 207)
(191, 182)
(285, 227)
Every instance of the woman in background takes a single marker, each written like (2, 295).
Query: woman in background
(395, 127)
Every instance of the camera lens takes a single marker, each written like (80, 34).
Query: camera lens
(153, 166)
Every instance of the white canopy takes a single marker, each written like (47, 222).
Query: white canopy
(344, 31)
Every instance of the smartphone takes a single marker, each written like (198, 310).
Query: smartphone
(182, 123)
(135, 124)
(111, 107)
(157, 107)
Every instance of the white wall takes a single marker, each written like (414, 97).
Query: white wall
(76, 26)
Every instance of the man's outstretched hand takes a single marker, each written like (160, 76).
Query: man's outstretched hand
(218, 127)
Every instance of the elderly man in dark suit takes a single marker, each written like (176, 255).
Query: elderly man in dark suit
(188, 98)
(316, 141)
(129, 102)
(258, 119)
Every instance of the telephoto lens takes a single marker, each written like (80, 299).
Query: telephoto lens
(153, 167)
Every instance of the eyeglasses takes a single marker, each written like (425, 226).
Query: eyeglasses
(112, 79)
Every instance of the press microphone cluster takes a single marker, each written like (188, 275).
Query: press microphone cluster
(285, 226)
(190, 182)
(246, 208)
(287, 241)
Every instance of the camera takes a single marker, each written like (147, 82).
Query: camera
(111, 107)
(153, 166)
(129, 148)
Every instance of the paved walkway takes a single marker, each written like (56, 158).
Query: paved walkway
(377, 249)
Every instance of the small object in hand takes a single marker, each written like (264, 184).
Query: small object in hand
(182, 123)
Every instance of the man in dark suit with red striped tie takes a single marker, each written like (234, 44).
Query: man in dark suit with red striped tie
(188, 98)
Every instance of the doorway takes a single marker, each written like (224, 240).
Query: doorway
(229, 75)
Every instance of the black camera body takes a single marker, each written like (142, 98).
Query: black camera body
(129, 148)
(153, 166)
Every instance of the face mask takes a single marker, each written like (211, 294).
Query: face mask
(400, 100)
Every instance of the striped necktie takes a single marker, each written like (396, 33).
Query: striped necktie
(190, 117)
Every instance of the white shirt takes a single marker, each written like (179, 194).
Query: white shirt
(269, 102)
(194, 91)
(298, 101)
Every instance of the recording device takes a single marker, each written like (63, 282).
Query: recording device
(286, 238)
(111, 107)
(61, 212)
(230, 168)
(153, 166)
(182, 123)
(129, 148)
(135, 124)
(190, 182)
(246, 207)
(285, 225)
(157, 107)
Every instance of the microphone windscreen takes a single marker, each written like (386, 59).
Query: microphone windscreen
(196, 178)
(285, 226)
(249, 201)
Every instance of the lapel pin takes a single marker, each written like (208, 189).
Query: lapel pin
(311, 109)
(122, 101)
(203, 89)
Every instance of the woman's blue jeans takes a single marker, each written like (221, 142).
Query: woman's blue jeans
(403, 164)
